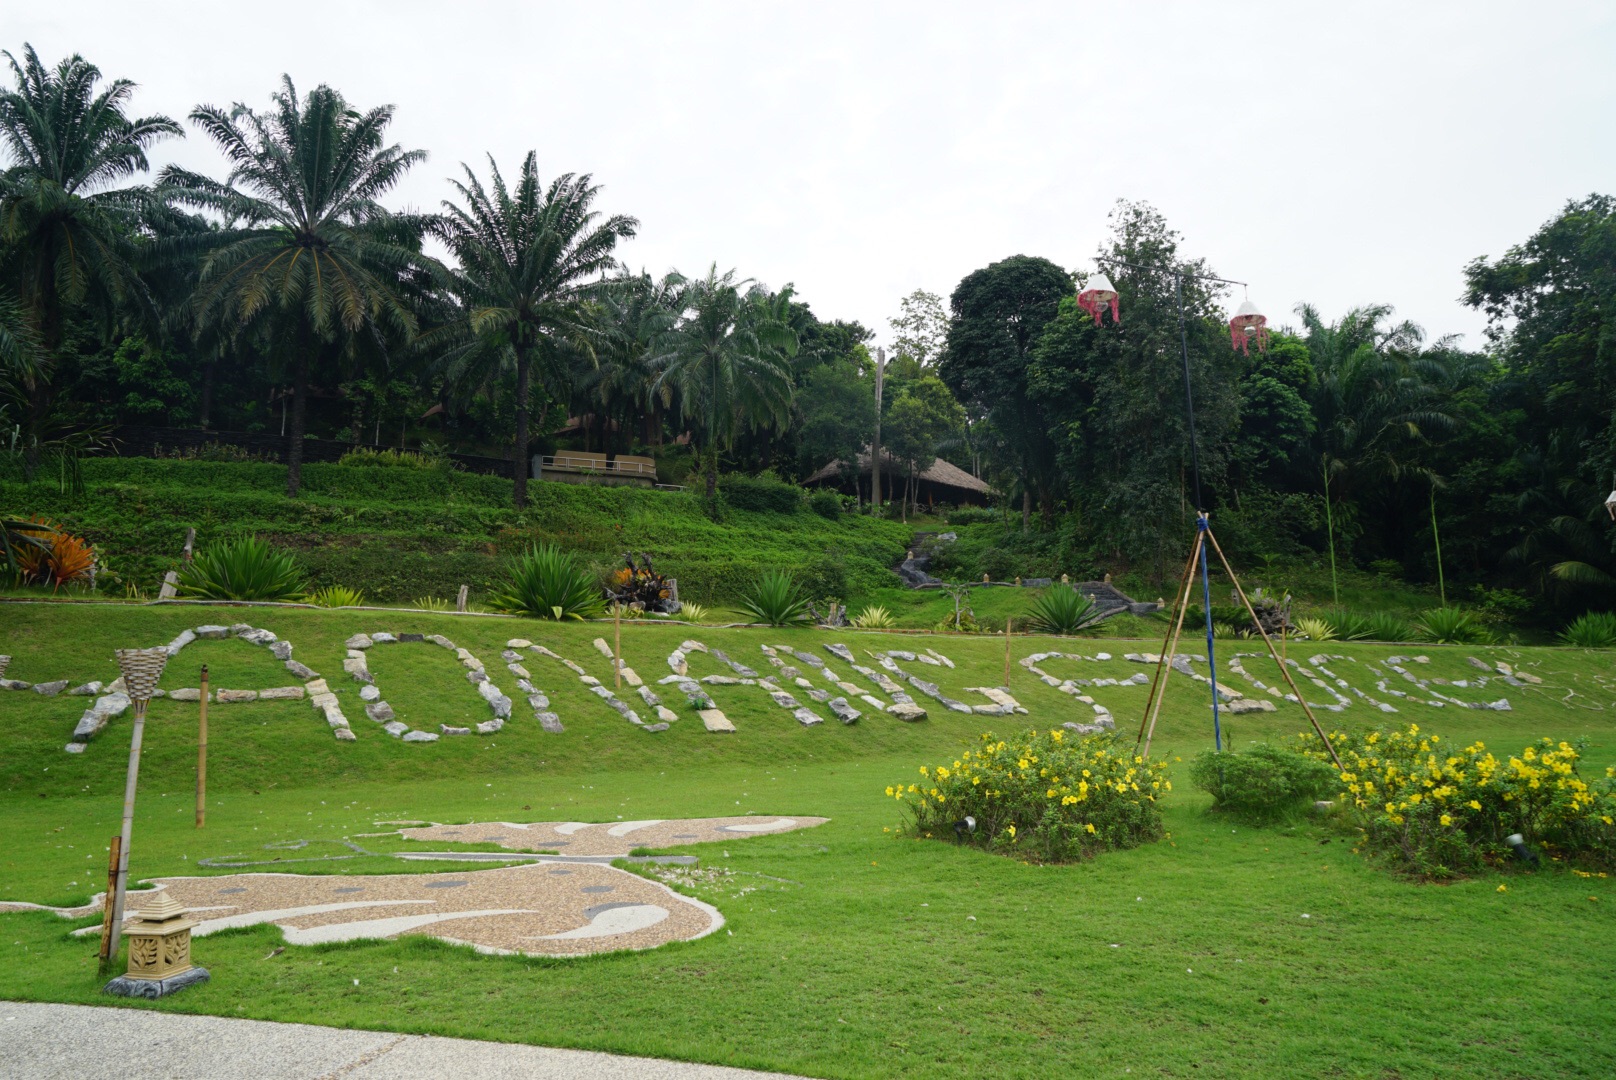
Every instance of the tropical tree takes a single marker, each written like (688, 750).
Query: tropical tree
(306, 245)
(68, 220)
(729, 361)
(635, 313)
(924, 417)
(530, 259)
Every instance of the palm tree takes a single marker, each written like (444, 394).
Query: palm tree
(530, 257)
(636, 313)
(728, 361)
(307, 246)
(1375, 397)
(68, 227)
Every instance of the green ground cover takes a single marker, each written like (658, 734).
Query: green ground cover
(875, 956)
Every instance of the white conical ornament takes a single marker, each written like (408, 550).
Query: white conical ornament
(1098, 293)
(1248, 325)
(1610, 504)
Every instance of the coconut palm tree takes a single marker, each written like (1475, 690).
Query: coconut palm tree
(530, 257)
(307, 246)
(636, 312)
(729, 361)
(68, 220)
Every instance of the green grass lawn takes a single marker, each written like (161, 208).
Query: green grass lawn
(877, 955)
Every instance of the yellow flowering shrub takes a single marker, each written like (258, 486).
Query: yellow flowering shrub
(1042, 795)
(1438, 810)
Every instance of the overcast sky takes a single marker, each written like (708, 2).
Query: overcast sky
(1340, 154)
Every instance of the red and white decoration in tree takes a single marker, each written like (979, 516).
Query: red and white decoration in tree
(1248, 325)
(1096, 294)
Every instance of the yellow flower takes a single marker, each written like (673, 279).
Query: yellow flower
(1446, 820)
(1473, 804)
(1089, 826)
(1503, 888)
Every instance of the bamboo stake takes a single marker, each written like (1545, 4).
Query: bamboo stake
(128, 825)
(617, 642)
(1284, 671)
(1161, 660)
(1172, 645)
(113, 852)
(202, 755)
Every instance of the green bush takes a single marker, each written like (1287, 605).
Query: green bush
(1451, 626)
(827, 504)
(365, 457)
(335, 596)
(1348, 625)
(1063, 610)
(246, 569)
(1594, 630)
(761, 494)
(972, 515)
(776, 600)
(547, 583)
(1384, 626)
(1040, 795)
(1263, 784)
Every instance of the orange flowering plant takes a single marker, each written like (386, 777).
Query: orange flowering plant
(1042, 795)
(1439, 810)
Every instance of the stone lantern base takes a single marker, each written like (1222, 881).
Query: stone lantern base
(124, 986)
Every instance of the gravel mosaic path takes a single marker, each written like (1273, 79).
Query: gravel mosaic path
(541, 908)
(608, 837)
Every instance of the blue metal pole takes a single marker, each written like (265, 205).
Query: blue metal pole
(1201, 525)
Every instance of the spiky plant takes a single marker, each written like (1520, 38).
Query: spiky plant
(335, 596)
(1315, 629)
(246, 569)
(776, 600)
(1384, 626)
(1451, 626)
(1063, 610)
(873, 617)
(1594, 630)
(547, 583)
(692, 612)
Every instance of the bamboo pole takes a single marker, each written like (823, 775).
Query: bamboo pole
(202, 755)
(1156, 682)
(1284, 671)
(107, 953)
(128, 825)
(1172, 649)
(617, 642)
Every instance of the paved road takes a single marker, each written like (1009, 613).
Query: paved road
(41, 1042)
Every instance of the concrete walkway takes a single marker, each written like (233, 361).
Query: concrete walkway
(39, 1042)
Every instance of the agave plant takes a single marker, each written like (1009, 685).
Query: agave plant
(1594, 630)
(431, 603)
(874, 617)
(547, 583)
(335, 596)
(1315, 629)
(1384, 626)
(1063, 610)
(1451, 626)
(692, 612)
(777, 600)
(1348, 625)
(246, 569)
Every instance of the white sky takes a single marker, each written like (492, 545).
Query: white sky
(1341, 154)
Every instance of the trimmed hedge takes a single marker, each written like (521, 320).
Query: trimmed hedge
(397, 534)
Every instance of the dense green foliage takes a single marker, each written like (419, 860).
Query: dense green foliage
(1061, 609)
(1262, 784)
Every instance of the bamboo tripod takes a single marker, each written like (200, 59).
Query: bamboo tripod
(1158, 685)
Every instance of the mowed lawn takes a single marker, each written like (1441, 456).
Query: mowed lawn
(851, 951)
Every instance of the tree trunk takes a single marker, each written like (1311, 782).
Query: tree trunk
(208, 371)
(1026, 509)
(519, 465)
(712, 474)
(294, 437)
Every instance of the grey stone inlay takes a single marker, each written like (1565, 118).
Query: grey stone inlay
(443, 884)
(597, 889)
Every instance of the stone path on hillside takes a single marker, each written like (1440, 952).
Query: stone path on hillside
(67, 1042)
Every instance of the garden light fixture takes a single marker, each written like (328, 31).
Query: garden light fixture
(159, 950)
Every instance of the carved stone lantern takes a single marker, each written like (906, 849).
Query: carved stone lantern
(159, 950)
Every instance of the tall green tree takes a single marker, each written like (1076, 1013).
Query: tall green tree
(69, 219)
(924, 417)
(920, 329)
(530, 258)
(997, 316)
(729, 360)
(306, 243)
(636, 312)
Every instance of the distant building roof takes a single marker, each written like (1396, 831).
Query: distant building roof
(938, 472)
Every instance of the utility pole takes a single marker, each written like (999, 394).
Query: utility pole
(875, 441)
